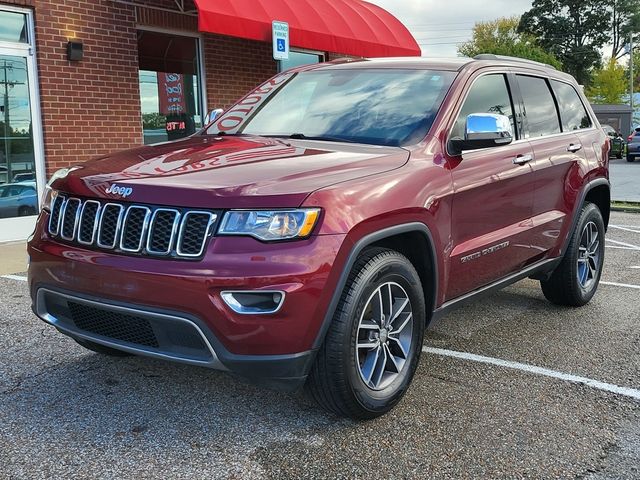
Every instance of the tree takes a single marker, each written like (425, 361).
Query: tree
(625, 19)
(636, 70)
(609, 84)
(573, 30)
(501, 37)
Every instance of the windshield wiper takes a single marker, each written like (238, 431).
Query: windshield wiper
(302, 136)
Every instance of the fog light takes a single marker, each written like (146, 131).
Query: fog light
(257, 302)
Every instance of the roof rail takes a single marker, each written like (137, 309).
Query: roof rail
(491, 56)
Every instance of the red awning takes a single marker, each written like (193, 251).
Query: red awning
(351, 27)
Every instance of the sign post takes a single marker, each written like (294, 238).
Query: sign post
(280, 40)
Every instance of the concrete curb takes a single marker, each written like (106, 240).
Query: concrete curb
(629, 207)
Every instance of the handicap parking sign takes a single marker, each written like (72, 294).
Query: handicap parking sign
(280, 40)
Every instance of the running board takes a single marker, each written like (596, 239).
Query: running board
(544, 266)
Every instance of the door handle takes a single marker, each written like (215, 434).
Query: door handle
(522, 159)
(574, 147)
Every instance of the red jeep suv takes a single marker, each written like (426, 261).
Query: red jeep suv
(310, 233)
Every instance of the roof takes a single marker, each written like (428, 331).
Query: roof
(350, 27)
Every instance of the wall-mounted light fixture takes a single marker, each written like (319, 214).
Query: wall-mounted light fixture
(75, 50)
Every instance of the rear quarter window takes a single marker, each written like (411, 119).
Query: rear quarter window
(572, 111)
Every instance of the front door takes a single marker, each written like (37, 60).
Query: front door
(21, 152)
(493, 197)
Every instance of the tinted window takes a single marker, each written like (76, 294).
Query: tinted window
(572, 112)
(539, 106)
(488, 94)
(379, 107)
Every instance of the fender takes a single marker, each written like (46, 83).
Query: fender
(576, 209)
(358, 247)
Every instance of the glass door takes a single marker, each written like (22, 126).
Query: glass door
(21, 159)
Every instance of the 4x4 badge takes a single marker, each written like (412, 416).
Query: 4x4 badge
(124, 192)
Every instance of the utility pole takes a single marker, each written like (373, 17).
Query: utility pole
(631, 69)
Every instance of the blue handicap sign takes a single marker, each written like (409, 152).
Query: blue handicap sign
(281, 45)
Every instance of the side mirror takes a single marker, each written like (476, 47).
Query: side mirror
(484, 130)
(212, 115)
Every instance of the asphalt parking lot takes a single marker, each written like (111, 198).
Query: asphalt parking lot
(625, 180)
(66, 412)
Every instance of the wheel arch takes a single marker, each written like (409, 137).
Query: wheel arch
(400, 238)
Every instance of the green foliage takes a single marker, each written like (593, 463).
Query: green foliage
(609, 84)
(636, 70)
(625, 19)
(153, 121)
(573, 30)
(501, 37)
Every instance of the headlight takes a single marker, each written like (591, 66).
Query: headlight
(49, 194)
(270, 225)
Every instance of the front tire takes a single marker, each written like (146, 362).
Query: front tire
(630, 159)
(575, 281)
(373, 345)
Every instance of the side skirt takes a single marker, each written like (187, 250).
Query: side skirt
(537, 269)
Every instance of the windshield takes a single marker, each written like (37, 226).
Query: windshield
(375, 106)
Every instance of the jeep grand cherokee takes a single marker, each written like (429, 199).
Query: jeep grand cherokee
(310, 233)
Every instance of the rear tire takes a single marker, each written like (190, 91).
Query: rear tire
(373, 346)
(101, 349)
(575, 281)
(630, 159)
(26, 211)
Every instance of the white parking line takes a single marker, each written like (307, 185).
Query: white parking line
(15, 277)
(629, 246)
(625, 285)
(627, 228)
(545, 372)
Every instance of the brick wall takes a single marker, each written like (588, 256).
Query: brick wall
(92, 107)
(234, 66)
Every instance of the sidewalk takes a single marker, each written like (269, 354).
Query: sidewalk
(13, 258)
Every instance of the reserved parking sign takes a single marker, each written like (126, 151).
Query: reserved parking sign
(280, 40)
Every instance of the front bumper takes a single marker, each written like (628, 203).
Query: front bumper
(276, 349)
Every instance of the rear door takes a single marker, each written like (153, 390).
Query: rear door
(493, 195)
(560, 155)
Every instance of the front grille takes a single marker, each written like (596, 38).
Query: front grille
(131, 229)
(114, 325)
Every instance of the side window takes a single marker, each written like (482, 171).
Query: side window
(572, 112)
(488, 94)
(539, 106)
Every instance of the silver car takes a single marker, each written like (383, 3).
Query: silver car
(18, 199)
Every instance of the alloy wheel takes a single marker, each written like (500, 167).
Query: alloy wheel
(385, 333)
(589, 256)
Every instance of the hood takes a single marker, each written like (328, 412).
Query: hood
(228, 171)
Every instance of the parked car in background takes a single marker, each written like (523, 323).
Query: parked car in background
(4, 175)
(18, 199)
(617, 142)
(633, 147)
(24, 177)
(309, 235)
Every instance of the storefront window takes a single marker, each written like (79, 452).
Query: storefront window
(13, 27)
(298, 59)
(169, 86)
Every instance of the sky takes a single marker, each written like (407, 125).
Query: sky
(439, 29)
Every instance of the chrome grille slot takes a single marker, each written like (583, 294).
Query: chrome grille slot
(193, 233)
(54, 219)
(110, 222)
(70, 215)
(89, 222)
(163, 230)
(135, 224)
(131, 229)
